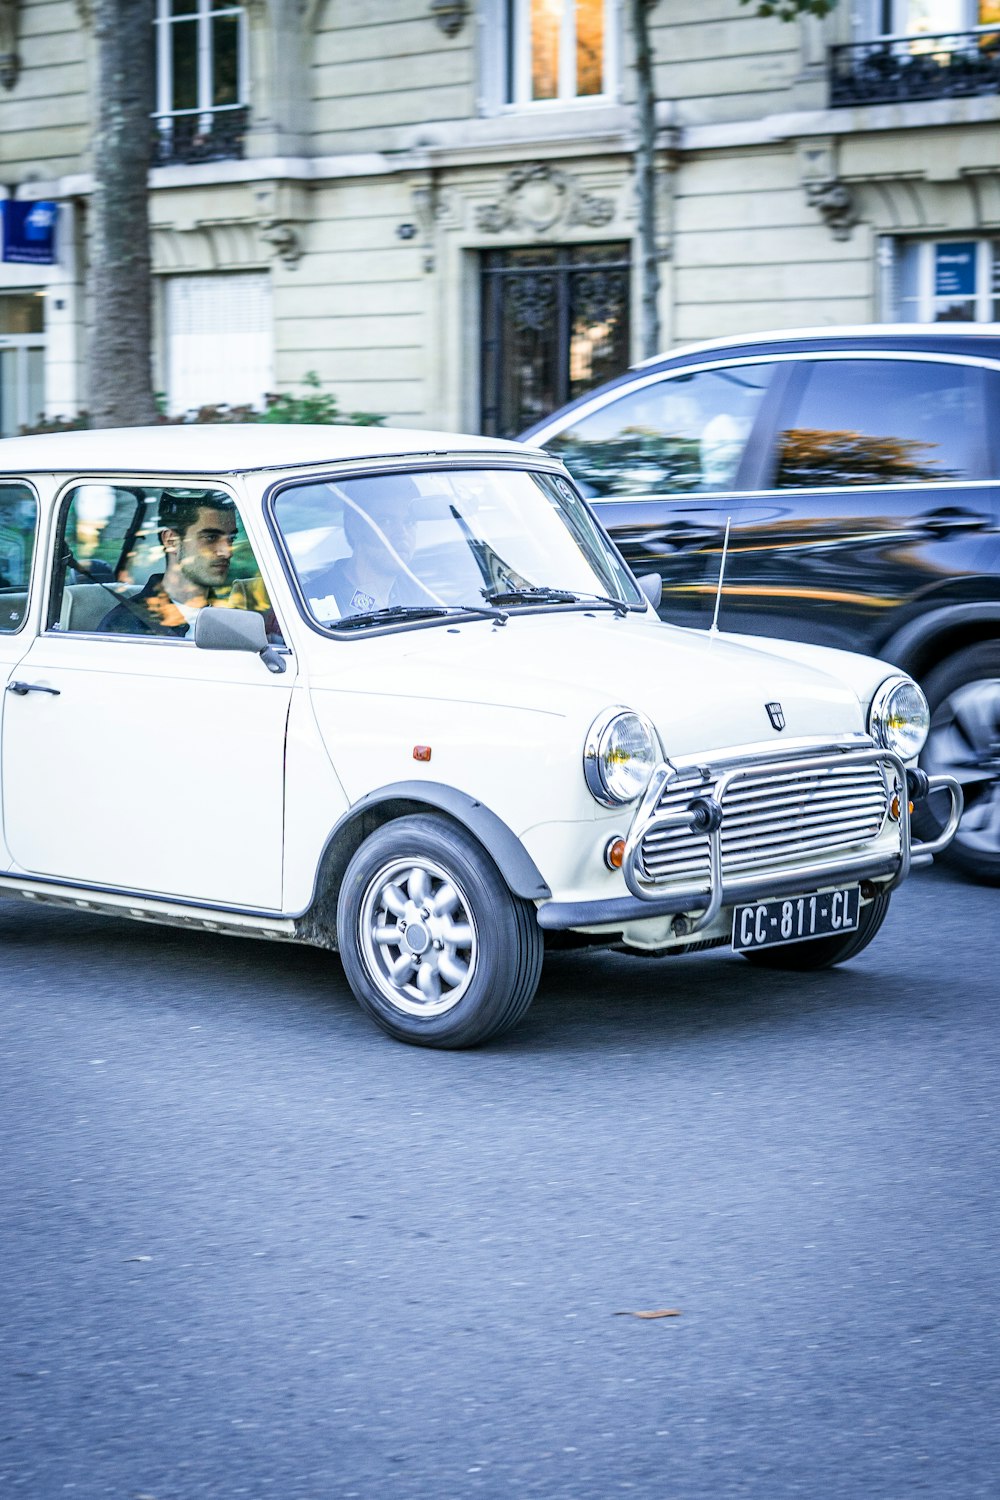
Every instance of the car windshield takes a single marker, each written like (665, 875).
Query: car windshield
(380, 548)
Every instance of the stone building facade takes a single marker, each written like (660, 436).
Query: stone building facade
(431, 203)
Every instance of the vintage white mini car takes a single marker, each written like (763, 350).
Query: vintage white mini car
(395, 694)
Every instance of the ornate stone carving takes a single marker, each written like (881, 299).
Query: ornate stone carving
(283, 239)
(10, 62)
(280, 11)
(835, 203)
(588, 209)
(449, 14)
(537, 197)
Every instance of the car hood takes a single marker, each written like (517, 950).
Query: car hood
(703, 692)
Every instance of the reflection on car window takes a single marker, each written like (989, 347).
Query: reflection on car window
(444, 540)
(881, 421)
(681, 434)
(18, 517)
(139, 560)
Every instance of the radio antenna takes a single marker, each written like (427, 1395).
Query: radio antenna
(722, 574)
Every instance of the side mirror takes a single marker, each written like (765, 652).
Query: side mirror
(652, 586)
(223, 629)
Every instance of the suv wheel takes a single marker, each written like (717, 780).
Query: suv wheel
(964, 742)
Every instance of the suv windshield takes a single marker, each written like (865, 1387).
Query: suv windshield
(382, 548)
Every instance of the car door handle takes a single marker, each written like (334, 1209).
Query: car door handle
(23, 688)
(954, 520)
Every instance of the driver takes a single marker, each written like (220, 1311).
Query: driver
(197, 535)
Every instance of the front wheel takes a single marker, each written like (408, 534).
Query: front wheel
(435, 946)
(825, 952)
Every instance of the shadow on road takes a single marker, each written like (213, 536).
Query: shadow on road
(587, 1000)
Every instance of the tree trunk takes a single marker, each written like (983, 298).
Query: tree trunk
(645, 174)
(121, 388)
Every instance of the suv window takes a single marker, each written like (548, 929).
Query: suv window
(883, 421)
(683, 433)
(18, 517)
(122, 543)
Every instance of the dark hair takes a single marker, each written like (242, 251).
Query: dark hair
(178, 512)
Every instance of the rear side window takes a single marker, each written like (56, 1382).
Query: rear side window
(883, 421)
(682, 434)
(18, 521)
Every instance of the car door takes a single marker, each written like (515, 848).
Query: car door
(18, 528)
(663, 461)
(878, 501)
(139, 761)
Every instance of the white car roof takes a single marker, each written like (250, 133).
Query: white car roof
(231, 447)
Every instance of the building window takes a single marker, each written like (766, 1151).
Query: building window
(919, 49)
(942, 281)
(559, 50)
(219, 340)
(930, 18)
(22, 361)
(201, 73)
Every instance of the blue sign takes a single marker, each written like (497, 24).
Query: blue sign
(955, 270)
(29, 232)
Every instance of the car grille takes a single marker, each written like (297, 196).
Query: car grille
(769, 819)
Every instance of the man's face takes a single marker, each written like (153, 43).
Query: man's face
(205, 550)
(397, 525)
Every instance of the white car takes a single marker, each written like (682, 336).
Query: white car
(395, 694)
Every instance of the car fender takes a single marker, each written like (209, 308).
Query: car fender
(317, 924)
(921, 643)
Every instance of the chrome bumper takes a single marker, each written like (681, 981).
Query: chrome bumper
(706, 814)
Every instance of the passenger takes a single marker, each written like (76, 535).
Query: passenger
(197, 535)
(380, 529)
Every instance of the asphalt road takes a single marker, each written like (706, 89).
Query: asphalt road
(251, 1247)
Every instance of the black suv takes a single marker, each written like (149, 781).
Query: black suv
(860, 472)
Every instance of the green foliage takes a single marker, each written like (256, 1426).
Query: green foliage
(315, 405)
(790, 10)
(57, 424)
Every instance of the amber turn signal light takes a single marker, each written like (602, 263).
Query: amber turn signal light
(421, 752)
(614, 853)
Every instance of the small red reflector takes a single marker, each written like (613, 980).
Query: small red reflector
(421, 752)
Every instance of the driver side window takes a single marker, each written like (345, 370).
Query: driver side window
(144, 560)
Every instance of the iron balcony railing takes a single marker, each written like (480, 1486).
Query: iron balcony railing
(895, 69)
(193, 135)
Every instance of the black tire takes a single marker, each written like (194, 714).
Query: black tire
(964, 742)
(824, 953)
(435, 946)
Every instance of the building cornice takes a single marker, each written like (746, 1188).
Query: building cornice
(926, 114)
(505, 140)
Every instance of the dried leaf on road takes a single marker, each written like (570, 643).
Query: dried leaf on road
(662, 1312)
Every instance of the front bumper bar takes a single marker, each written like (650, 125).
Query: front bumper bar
(706, 813)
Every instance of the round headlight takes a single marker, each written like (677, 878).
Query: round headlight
(899, 717)
(621, 752)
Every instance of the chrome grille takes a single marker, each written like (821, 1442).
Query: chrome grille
(768, 819)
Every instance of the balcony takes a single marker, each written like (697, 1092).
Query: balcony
(198, 135)
(899, 69)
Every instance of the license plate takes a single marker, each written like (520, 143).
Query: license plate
(766, 924)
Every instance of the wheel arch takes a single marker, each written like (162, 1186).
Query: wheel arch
(923, 644)
(318, 924)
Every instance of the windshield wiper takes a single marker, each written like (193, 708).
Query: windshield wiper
(541, 594)
(416, 612)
